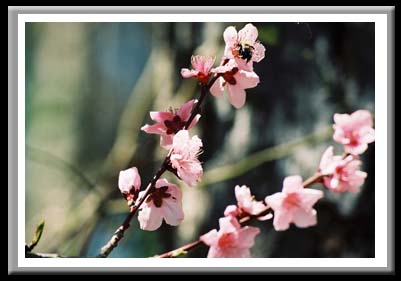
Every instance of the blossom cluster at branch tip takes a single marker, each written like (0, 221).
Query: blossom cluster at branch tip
(236, 70)
(243, 46)
(354, 131)
(341, 174)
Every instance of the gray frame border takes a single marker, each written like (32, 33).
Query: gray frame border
(13, 127)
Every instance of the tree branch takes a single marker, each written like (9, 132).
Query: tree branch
(119, 233)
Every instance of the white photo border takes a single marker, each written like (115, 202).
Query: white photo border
(381, 259)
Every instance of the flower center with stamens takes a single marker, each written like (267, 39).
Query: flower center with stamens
(339, 169)
(353, 138)
(226, 240)
(203, 77)
(292, 200)
(229, 76)
(158, 196)
(175, 125)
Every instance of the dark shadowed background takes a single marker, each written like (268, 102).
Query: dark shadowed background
(90, 86)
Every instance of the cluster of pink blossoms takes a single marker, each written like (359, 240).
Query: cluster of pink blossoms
(294, 204)
(235, 73)
(236, 68)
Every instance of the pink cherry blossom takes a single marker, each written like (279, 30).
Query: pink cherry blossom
(201, 69)
(235, 80)
(129, 182)
(247, 205)
(231, 241)
(164, 203)
(184, 157)
(354, 131)
(294, 204)
(170, 122)
(342, 174)
(243, 46)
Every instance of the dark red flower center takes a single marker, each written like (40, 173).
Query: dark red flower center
(203, 78)
(175, 125)
(158, 196)
(229, 76)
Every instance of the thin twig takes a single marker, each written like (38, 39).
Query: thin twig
(204, 90)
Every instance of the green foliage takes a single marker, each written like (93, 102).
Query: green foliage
(37, 235)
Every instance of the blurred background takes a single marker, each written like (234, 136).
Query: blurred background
(90, 86)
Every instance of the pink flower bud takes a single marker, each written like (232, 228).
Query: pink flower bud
(129, 183)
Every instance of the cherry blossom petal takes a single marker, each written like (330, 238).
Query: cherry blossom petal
(150, 218)
(231, 210)
(292, 184)
(259, 52)
(281, 221)
(304, 218)
(326, 163)
(236, 96)
(310, 197)
(185, 110)
(275, 201)
(184, 157)
(246, 236)
(246, 79)
(187, 73)
(248, 34)
(367, 135)
(265, 217)
(217, 88)
(229, 224)
(341, 119)
(230, 36)
(160, 116)
(210, 238)
(154, 129)
(172, 212)
(362, 118)
(166, 141)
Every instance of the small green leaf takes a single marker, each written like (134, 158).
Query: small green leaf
(38, 234)
(178, 253)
